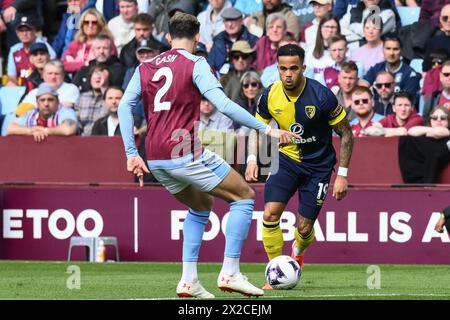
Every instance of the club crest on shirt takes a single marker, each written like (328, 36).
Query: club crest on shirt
(310, 111)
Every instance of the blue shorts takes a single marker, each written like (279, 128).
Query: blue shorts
(204, 173)
(311, 183)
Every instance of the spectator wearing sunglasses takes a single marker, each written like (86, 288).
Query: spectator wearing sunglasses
(80, 52)
(432, 78)
(441, 97)
(251, 88)
(405, 78)
(363, 106)
(438, 126)
(400, 122)
(384, 88)
(241, 56)
(441, 40)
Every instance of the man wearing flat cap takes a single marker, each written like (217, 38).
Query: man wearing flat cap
(19, 66)
(234, 31)
(50, 118)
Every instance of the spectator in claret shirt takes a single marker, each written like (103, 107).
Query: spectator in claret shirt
(363, 107)
(397, 124)
(440, 97)
(19, 66)
(338, 52)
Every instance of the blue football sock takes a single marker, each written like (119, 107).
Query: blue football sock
(193, 228)
(238, 225)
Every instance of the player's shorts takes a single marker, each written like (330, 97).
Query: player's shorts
(292, 176)
(204, 173)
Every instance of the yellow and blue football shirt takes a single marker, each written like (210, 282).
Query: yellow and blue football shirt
(310, 115)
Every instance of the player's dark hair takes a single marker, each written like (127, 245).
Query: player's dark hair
(403, 94)
(291, 50)
(183, 25)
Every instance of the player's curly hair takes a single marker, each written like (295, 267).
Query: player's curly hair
(183, 25)
(291, 50)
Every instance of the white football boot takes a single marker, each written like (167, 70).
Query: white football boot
(238, 283)
(192, 290)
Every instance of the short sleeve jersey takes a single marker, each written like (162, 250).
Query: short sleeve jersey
(311, 115)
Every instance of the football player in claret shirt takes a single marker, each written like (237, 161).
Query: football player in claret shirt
(171, 86)
(303, 106)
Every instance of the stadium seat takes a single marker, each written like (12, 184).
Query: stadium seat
(408, 15)
(91, 243)
(9, 98)
(416, 64)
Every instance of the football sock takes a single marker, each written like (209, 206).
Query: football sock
(193, 229)
(190, 272)
(236, 232)
(230, 266)
(303, 242)
(272, 238)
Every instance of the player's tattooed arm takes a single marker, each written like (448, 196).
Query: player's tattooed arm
(344, 130)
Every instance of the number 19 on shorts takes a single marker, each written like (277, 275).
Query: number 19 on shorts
(323, 189)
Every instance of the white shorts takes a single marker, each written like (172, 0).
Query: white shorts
(204, 173)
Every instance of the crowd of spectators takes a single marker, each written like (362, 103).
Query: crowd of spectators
(355, 48)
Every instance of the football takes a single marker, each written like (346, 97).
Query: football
(283, 273)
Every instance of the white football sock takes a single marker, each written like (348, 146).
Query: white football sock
(230, 266)
(190, 272)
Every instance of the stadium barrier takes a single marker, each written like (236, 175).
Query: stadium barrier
(96, 160)
(371, 225)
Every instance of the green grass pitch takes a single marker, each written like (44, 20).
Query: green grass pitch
(48, 280)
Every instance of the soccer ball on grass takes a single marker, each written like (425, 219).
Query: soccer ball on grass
(283, 273)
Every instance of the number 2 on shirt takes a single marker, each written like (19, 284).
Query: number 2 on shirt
(166, 73)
